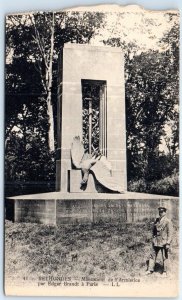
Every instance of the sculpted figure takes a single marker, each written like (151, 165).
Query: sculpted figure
(96, 163)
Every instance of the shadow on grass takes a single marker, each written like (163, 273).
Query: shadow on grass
(158, 267)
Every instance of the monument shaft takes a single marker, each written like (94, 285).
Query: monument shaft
(103, 66)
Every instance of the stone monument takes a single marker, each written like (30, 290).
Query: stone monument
(95, 72)
(91, 105)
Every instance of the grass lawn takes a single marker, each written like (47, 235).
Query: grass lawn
(98, 250)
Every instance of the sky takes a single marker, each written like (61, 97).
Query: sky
(142, 28)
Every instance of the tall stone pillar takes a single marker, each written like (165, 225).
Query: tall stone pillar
(85, 62)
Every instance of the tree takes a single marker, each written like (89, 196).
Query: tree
(150, 101)
(42, 35)
(33, 43)
(37, 39)
(152, 87)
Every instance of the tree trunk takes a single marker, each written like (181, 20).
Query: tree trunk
(51, 123)
(49, 94)
(47, 84)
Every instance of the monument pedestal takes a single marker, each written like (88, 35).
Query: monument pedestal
(83, 208)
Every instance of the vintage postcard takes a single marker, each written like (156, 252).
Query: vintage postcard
(91, 152)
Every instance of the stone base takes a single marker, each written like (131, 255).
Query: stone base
(83, 208)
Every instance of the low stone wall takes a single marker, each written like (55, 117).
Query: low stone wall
(83, 211)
